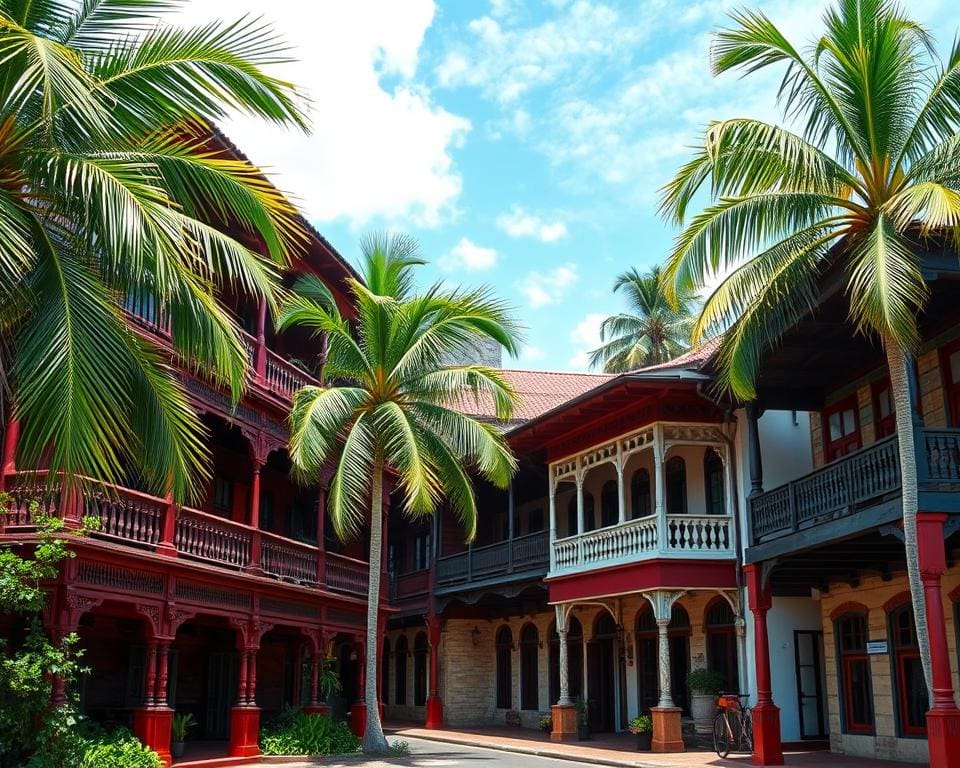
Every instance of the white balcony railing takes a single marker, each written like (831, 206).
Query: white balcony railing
(686, 536)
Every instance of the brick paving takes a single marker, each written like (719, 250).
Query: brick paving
(620, 750)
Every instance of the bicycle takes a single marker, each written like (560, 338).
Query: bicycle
(733, 725)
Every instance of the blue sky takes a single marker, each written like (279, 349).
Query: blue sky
(523, 143)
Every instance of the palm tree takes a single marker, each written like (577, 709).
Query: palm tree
(654, 331)
(108, 187)
(872, 171)
(392, 408)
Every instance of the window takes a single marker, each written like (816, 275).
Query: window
(529, 674)
(884, 416)
(420, 651)
(504, 642)
(950, 364)
(421, 551)
(911, 689)
(222, 495)
(720, 626)
(676, 477)
(640, 494)
(400, 672)
(713, 480)
(841, 429)
(857, 697)
(385, 672)
(609, 504)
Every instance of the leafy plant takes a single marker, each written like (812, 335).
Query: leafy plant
(705, 682)
(393, 407)
(122, 748)
(546, 723)
(399, 749)
(642, 724)
(309, 735)
(329, 681)
(87, 745)
(181, 725)
(582, 708)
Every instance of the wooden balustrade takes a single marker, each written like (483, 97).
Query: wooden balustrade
(208, 537)
(521, 553)
(346, 574)
(288, 559)
(942, 452)
(413, 584)
(126, 514)
(284, 378)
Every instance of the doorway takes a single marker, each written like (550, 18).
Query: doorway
(648, 658)
(601, 672)
(808, 651)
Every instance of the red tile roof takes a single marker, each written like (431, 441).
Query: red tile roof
(690, 360)
(537, 391)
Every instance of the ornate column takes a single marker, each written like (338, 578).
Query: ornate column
(152, 721)
(552, 493)
(434, 701)
(8, 458)
(318, 644)
(580, 477)
(943, 717)
(660, 484)
(259, 450)
(667, 732)
(767, 749)
(753, 449)
(245, 715)
(563, 711)
(621, 491)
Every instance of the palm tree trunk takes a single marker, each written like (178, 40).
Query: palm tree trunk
(374, 742)
(900, 392)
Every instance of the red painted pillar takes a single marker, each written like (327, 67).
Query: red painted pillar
(434, 702)
(152, 722)
(245, 716)
(321, 544)
(358, 712)
(943, 717)
(767, 749)
(169, 531)
(260, 353)
(8, 459)
(254, 516)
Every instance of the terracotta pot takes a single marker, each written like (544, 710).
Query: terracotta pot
(644, 741)
(703, 709)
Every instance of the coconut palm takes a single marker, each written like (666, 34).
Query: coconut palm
(108, 187)
(653, 331)
(393, 408)
(871, 172)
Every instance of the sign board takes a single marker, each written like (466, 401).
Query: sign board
(876, 646)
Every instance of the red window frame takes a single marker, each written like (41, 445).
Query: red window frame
(851, 441)
(952, 387)
(905, 648)
(852, 649)
(883, 426)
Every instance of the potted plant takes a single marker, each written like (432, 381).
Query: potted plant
(642, 727)
(583, 725)
(181, 725)
(546, 723)
(704, 686)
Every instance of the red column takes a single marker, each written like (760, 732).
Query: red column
(254, 515)
(434, 702)
(943, 718)
(169, 530)
(245, 716)
(260, 353)
(152, 722)
(358, 712)
(8, 463)
(767, 749)
(321, 526)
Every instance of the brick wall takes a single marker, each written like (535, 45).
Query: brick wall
(873, 592)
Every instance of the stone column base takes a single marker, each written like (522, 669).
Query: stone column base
(667, 733)
(244, 732)
(152, 727)
(358, 719)
(767, 749)
(564, 722)
(943, 737)
(319, 709)
(434, 713)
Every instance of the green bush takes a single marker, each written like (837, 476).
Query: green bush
(705, 682)
(305, 734)
(121, 749)
(87, 745)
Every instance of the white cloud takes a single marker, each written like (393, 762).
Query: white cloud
(550, 287)
(520, 223)
(467, 255)
(585, 337)
(381, 147)
(532, 353)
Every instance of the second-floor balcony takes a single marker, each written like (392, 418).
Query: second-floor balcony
(859, 490)
(139, 520)
(521, 555)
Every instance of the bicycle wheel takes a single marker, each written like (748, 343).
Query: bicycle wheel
(721, 736)
(747, 731)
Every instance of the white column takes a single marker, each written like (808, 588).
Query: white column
(580, 475)
(661, 488)
(621, 492)
(728, 495)
(663, 648)
(552, 490)
(564, 699)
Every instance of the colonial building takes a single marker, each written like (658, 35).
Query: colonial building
(223, 609)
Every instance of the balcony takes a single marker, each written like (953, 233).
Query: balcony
(140, 520)
(501, 561)
(857, 491)
(684, 536)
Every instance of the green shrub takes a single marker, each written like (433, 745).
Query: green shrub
(705, 682)
(121, 749)
(305, 734)
(87, 745)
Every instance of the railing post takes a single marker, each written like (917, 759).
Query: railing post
(168, 530)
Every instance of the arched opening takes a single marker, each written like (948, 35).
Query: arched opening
(504, 646)
(640, 494)
(856, 699)
(385, 672)
(589, 512)
(713, 483)
(529, 667)
(720, 626)
(675, 476)
(420, 651)
(911, 690)
(648, 657)
(400, 671)
(574, 660)
(602, 672)
(609, 504)
(572, 529)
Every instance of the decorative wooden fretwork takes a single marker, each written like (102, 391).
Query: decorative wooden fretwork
(288, 608)
(121, 579)
(203, 593)
(344, 617)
